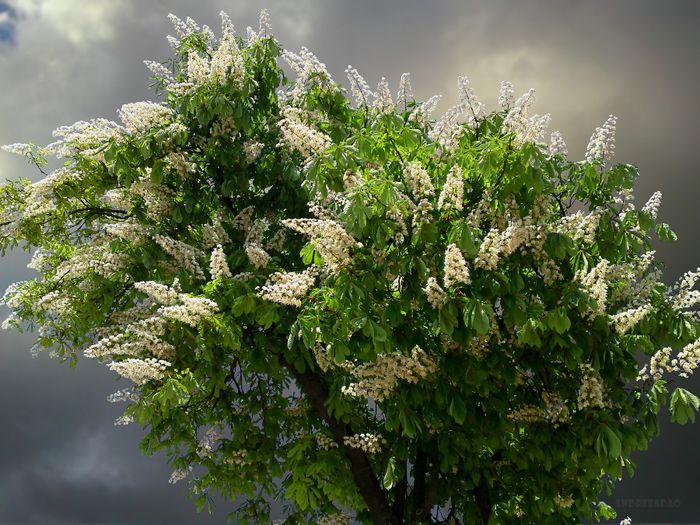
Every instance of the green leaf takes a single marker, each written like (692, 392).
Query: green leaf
(529, 334)
(558, 321)
(477, 315)
(157, 172)
(665, 233)
(447, 318)
(683, 406)
(390, 475)
(457, 409)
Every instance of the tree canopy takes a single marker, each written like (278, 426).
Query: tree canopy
(351, 306)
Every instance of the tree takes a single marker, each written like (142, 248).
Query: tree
(354, 307)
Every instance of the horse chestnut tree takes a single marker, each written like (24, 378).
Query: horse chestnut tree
(352, 306)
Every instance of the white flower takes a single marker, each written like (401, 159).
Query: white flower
(435, 294)
(226, 62)
(218, 267)
(359, 88)
(591, 391)
(452, 194)
(601, 146)
(141, 116)
(405, 93)
(257, 256)
(472, 108)
(328, 237)
(191, 311)
(557, 146)
(456, 270)
(185, 256)
(626, 320)
(300, 136)
(384, 102)
(252, 150)
(653, 204)
(179, 474)
(418, 180)
(370, 443)
(140, 370)
(506, 94)
(289, 287)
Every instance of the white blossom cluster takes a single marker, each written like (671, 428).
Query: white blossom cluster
(85, 137)
(653, 204)
(525, 128)
(339, 518)
(369, 443)
(684, 363)
(208, 442)
(257, 255)
(405, 93)
(220, 66)
(681, 294)
(310, 72)
(596, 284)
(591, 391)
(435, 294)
(298, 135)
(456, 271)
(125, 395)
(218, 267)
(288, 287)
(421, 112)
(601, 146)
(579, 226)
(328, 237)
(452, 194)
(359, 88)
(142, 116)
(140, 370)
(182, 166)
(179, 474)
(324, 442)
(129, 230)
(418, 180)
(156, 197)
(506, 94)
(226, 62)
(554, 412)
(252, 150)
(184, 256)
(384, 103)
(379, 379)
(627, 319)
(557, 146)
(214, 233)
(500, 244)
(191, 311)
(158, 292)
(448, 130)
(472, 108)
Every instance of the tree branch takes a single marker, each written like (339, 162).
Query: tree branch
(419, 471)
(399, 506)
(362, 473)
(483, 499)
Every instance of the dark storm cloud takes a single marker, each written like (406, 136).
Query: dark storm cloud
(61, 460)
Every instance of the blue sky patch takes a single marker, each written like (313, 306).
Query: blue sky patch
(8, 19)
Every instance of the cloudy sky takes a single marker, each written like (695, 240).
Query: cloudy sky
(61, 460)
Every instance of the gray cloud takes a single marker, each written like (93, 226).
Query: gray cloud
(61, 459)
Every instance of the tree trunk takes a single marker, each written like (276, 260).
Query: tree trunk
(362, 473)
